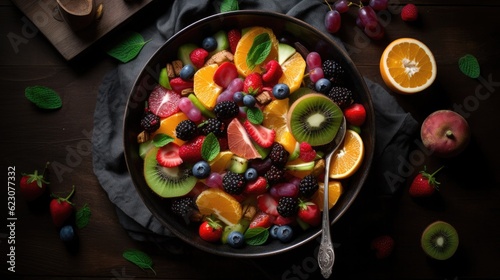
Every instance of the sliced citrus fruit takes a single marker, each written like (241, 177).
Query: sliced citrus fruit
(221, 161)
(239, 142)
(348, 158)
(334, 192)
(293, 71)
(204, 87)
(244, 46)
(217, 202)
(168, 125)
(407, 66)
(275, 117)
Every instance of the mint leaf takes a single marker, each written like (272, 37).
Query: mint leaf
(469, 65)
(210, 147)
(43, 97)
(256, 236)
(260, 49)
(255, 115)
(162, 139)
(128, 48)
(229, 5)
(139, 258)
(83, 216)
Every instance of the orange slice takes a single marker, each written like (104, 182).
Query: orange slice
(221, 161)
(204, 87)
(217, 202)
(407, 66)
(293, 71)
(244, 45)
(334, 192)
(168, 125)
(275, 117)
(348, 157)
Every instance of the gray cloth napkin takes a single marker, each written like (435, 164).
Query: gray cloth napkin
(395, 127)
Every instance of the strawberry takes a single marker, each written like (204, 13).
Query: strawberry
(260, 134)
(306, 152)
(383, 246)
(210, 230)
(191, 150)
(281, 221)
(355, 114)
(267, 204)
(309, 212)
(424, 184)
(178, 85)
(33, 185)
(253, 83)
(409, 12)
(225, 74)
(258, 186)
(198, 57)
(61, 208)
(233, 36)
(168, 155)
(272, 72)
(262, 220)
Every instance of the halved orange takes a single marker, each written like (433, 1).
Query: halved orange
(293, 71)
(204, 87)
(221, 161)
(244, 45)
(168, 125)
(217, 202)
(348, 158)
(334, 192)
(275, 117)
(407, 66)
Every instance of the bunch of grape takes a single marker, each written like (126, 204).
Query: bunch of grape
(366, 19)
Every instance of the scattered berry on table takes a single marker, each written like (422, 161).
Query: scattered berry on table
(424, 184)
(383, 246)
(409, 12)
(33, 185)
(186, 130)
(233, 183)
(308, 186)
(67, 233)
(287, 206)
(226, 110)
(150, 122)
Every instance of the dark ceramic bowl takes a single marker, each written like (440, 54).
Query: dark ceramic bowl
(284, 27)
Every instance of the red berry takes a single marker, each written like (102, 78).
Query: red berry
(178, 85)
(310, 213)
(424, 184)
(210, 230)
(233, 36)
(262, 220)
(191, 150)
(383, 246)
(168, 155)
(33, 185)
(272, 72)
(198, 57)
(260, 134)
(253, 83)
(307, 153)
(259, 186)
(267, 204)
(409, 12)
(355, 114)
(61, 209)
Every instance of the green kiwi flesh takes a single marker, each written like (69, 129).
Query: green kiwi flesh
(439, 240)
(314, 118)
(166, 182)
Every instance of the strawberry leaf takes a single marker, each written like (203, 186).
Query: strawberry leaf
(128, 48)
(139, 258)
(260, 49)
(255, 115)
(43, 97)
(229, 5)
(210, 147)
(83, 216)
(162, 139)
(256, 236)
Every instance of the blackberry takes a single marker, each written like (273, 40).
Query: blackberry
(215, 126)
(333, 71)
(274, 174)
(341, 96)
(150, 122)
(233, 183)
(183, 206)
(278, 154)
(226, 110)
(287, 206)
(186, 130)
(308, 186)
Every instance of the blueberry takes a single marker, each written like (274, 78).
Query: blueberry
(201, 169)
(67, 233)
(323, 85)
(251, 174)
(249, 100)
(273, 231)
(281, 91)
(187, 72)
(238, 97)
(236, 239)
(209, 44)
(285, 233)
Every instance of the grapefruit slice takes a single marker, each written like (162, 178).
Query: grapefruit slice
(239, 142)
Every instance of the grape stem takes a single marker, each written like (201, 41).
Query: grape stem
(328, 4)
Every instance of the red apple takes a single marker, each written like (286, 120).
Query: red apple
(445, 133)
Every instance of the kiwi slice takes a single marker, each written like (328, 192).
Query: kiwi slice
(314, 118)
(439, 240)
(166, 182)
(298, 94)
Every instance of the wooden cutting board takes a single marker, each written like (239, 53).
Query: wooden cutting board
(44, 15)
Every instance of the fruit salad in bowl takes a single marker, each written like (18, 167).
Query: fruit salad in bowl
(226, 130)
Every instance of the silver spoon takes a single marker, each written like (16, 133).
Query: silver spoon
(326, 256)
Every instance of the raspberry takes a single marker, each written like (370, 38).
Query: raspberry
(150, 122)
(307, 153)
(273, 72)
(274, 174)
(198, 57)
(287, 206)
(308, 186)
(233, 183)
(278, 154)
(233, 36)
(186, 130)
(215, 126)
(409, 12)
(333, 71)
(341, 96)
(226, 110)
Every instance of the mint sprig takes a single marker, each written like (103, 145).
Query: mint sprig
(256, 236)
(255, 115)
(229, 5)
(128, 48)
(162, 139)
(259, 51)
(83, 216)
(43, 97)
(139, 258)
(210, 147)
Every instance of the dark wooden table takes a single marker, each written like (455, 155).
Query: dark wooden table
(469, 197)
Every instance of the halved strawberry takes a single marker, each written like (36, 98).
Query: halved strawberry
(233, 36)
(259, 186)
(163, 102)
(262, 219)
(272, 72)
(178, 85)
(168, 155)
(267, 204)
(260, 134)
(191, 150)
(225, 74)
(198, 57)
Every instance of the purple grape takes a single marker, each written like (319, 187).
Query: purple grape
(235, 85)
(194, 114)
(316, 74)
(214, 180)
(185, 105)
(225, 96)
(284, 189)
(342, 6)
(367, 15)
(313, 60)
(378, 5)
(332, 21)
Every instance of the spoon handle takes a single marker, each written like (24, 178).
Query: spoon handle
(326, 256)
